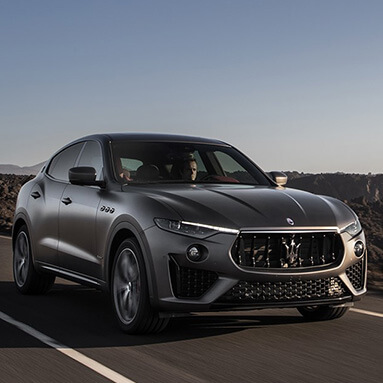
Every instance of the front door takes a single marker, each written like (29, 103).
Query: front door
(77, 219)
(44, 205)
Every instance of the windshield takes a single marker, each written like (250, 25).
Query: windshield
(172, 162)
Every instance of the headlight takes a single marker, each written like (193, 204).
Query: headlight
(353, 229)
(192, 229)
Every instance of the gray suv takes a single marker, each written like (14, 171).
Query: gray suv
(174, 224)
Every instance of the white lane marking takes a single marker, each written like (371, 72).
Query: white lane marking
(365, 312)
(5, 237)
(71, 353)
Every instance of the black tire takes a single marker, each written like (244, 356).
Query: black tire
(27, 279)
(320, 313)
(129, 292)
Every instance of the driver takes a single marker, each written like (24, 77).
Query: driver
(189, 170)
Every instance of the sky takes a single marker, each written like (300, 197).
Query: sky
(294, 84)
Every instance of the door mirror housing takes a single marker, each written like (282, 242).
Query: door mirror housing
(279, 178)
(84, 176)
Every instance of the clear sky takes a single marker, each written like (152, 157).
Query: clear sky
(295, 84)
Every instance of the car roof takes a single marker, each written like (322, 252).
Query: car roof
(151, 137)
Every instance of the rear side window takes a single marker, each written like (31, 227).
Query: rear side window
(91, 156)
(63, 161)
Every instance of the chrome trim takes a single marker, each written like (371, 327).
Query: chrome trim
(291, 272)
(72, 275)
(295, 229)
(216, 228)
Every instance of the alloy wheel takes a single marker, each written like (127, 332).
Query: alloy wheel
(127, 285)
(21, 258)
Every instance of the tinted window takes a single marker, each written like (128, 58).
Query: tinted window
(65, 160)
(183, 162)
(91, 156)
(130, 164)
(232, 169)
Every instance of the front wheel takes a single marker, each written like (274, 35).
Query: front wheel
(319, 313)
(130, 296)
(27, 279)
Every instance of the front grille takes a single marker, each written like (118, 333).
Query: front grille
(188, 282)
(286, 250)
(291, 291)
(355, 274)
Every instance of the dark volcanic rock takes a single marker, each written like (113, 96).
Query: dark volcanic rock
(10, 185)
(346, 187)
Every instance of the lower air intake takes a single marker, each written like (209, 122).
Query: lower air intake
(355, 274)
(190, 283)
(291, 291)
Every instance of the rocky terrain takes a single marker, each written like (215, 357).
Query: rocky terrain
(10, 185)
(363, 193)
(346, 187)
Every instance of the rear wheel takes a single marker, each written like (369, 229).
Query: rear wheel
(27, 279)
(318, 313)
(130, 292)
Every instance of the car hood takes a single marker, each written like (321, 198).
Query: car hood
(244, 206)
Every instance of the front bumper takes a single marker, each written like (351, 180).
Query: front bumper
(177, 284)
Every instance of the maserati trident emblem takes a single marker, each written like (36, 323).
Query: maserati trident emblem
(292, 252)
(290, 221)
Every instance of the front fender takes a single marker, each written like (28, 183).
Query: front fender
(123, 227)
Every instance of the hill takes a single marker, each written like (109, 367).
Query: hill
(21, 170)
(346, 187)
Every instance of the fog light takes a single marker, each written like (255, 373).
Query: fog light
(193, 253)
(359, 248)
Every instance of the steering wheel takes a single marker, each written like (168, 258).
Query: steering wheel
(209, 177)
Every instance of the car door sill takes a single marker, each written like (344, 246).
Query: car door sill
(71, 276)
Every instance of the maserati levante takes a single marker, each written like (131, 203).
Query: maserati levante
(176, 224)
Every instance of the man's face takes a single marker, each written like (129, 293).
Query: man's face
(189, 171)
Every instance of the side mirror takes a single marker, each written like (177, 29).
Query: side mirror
(279, 178)
(85, 176)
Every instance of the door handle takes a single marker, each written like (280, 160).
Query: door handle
(66, 201)
(36, 194)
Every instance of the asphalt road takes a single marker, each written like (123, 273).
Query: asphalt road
(256, 346)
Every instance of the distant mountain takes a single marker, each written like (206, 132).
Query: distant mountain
(21, 170)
